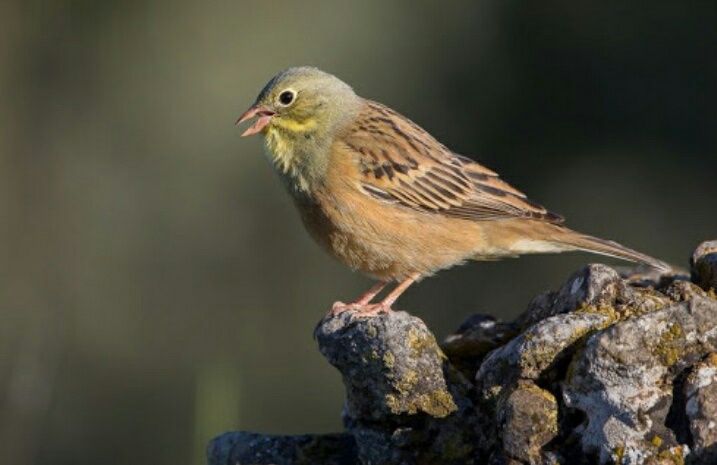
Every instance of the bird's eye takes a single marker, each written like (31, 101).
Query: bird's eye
(286, 97)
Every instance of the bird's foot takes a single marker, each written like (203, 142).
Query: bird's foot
(358, 309)
(339, 307)
(373, 309)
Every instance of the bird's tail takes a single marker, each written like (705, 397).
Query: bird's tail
(584, 242)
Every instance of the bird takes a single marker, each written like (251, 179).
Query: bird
(387, 199)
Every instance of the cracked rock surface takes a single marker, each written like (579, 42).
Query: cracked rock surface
(609, 368)
(701, 407)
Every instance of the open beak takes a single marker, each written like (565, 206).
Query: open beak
(263, 116)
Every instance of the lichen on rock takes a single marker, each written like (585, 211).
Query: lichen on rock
(610, 368)
(391, 365)
(527, 421)
(700, 392)
(621, 380)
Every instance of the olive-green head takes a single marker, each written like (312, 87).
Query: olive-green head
(302, 101)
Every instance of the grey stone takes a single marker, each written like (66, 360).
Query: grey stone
(622, 378)
(701, 408)
(405, 404)
(593, 287)
(682, 291)
(704, 265)
(244, 448)
(477, 335)
(535, 350)
(391, 364)
(527, 421)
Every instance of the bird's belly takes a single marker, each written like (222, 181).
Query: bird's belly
(390, 243)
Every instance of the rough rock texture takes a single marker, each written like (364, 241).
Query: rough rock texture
(621, 378)
(527, 421)
(259, 449)
(700, 392)
(391, 365)
(704, 265)
(404, 402)
(609, 368)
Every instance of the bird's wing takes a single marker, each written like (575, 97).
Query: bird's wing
(401, 163)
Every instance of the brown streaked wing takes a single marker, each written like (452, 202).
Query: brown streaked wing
(399, 162)
(486, 179)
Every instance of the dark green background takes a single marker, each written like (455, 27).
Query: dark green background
(156, 286)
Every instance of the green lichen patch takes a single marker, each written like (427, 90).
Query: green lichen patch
(607, 310)
(389, 360)
(712, 293)
(672, 456)
(656, 441)
(649, 301)
(438, 403)
(617, 454)
(670, 346)
(372, 331)
(419, 342)
(542, 355)
(711, 359)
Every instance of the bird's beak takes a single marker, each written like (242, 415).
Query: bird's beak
(263, 115)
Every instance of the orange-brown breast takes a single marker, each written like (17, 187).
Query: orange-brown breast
(380, 239)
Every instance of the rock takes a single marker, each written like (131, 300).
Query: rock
(537, 349)
(404, 402)
(683, 291)
(621, 379)
(648, 277)
(594, 287)
(243, 448)
(477, 336)
(701, 394)
(704, 265)
(610, 368)
(527, 421)
(391, 365)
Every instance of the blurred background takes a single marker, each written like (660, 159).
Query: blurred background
(156, 285)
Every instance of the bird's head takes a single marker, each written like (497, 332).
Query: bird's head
(300, 102)
(300, 111)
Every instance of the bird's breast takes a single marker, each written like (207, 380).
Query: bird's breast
(380, 239)
(384, 241)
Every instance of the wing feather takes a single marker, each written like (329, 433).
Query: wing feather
(401, 163)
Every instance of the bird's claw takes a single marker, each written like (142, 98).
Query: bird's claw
(358, 309)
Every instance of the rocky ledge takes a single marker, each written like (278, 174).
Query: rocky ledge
(610, 368)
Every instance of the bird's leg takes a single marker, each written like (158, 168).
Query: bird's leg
(385, 304)
(398, 290)
(362, 301)
(368, 296)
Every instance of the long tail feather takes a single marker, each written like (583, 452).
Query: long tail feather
(588, 243)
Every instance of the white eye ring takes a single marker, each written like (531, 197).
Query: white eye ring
(286, 97)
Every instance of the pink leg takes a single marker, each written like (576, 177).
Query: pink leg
(385, 304)
(362, 301)
(398, 290)
(368, 296)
